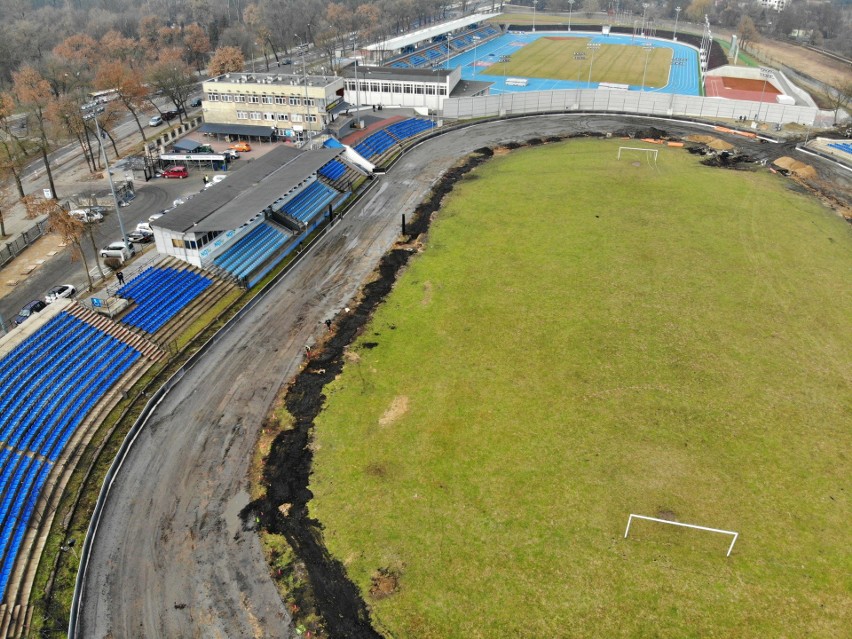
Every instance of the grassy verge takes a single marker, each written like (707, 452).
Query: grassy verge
(668, 343)
(743, 59)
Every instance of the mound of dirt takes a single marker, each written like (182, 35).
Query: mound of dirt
(708, 140)
(384, 583)
(799, 169)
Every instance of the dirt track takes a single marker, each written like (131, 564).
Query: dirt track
(170, 533)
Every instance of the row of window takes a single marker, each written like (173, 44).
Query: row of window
(196, 244)
(286, 117)
(291, 100)
(398, 87)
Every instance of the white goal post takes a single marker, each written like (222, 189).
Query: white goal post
(649, 153)
(677, 523)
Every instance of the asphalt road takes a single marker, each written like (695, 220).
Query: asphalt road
(170, 532)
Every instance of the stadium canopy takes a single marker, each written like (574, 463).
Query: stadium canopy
(428, 33)
(244, 130)
(246, 192)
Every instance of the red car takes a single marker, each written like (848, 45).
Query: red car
(175, 172)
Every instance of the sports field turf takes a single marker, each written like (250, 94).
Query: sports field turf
(584, 338)
(554, 58)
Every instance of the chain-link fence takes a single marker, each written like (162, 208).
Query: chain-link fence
(17, 244)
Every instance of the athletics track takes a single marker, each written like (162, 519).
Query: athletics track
(683, 79)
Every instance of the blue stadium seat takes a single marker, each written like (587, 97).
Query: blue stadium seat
(160, 294)
(251, 250)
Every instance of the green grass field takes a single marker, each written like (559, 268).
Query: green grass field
(553, 58)
(584, 338)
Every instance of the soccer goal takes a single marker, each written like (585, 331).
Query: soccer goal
(649, 153)
(677, 523)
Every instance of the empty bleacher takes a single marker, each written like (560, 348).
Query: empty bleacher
(409, 128)
(159, 295)
(49, 384)
(333, 170)
(251, 251)
(375, 145)
(309, 202)
(841, 146)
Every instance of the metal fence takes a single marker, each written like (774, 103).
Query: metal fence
(17, 244)
(631, 102)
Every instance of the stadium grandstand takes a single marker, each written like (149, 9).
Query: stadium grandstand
(58, 374)
(432, 39)
(245, 226)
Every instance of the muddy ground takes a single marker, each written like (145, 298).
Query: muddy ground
(172, 556)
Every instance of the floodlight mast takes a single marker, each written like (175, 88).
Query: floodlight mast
(677, 16)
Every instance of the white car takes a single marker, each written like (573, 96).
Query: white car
(119, 250)
(157, 120)
(63, 291)
(86, 215)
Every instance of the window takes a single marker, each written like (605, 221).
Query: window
(350, 85)
(192, 244)
(374, 86)
(213, 97)
(296, 117)
(295, 101)
(227, 97)
(442, 90)
(255, 115)
(253, 99)
(396, 87)
(240, 98)
(406, 88)
(310, 102)
(280, 99)
(418, 89)
(267, 99)
(283, 116)
(176, 243)
(310, 118)
(242, 115)
(386, 87)
(430, 89)
(268, 116)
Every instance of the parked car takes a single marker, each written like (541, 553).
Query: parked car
(140, 237)
(179, 171)
(230, 153)
(63, 291)
(144, 227)
(243, 147)
(155, 121)
(118, 250)
(168, 116)
(195, 103)
(28, 310)
(87, 215)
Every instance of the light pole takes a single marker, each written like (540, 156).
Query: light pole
(476, 40)
(766, 74)
(579, 56)
(111, 185)
(644, 9)
(648, 47)
(592, 46)
(677, 15)
(535, 2)
(570, 10)
(305, 81)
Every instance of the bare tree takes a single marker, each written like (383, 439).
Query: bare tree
(839, 96)
(35, 96)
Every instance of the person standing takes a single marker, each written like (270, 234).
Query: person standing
(120, 277)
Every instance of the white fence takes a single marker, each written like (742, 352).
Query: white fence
(638, 102)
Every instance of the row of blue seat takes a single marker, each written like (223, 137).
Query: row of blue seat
(259, 253)
(333, 170)
(258, 244)
(310, 202)
(409, 128)
(375, 144)
(842, 146)
(69, 366)
(14, 527)
(160, 294)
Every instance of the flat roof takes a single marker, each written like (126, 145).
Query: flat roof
(234, 201)
(429, 32)
(275, 79)
(366, 72)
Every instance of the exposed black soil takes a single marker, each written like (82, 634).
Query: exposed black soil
(284, 508)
